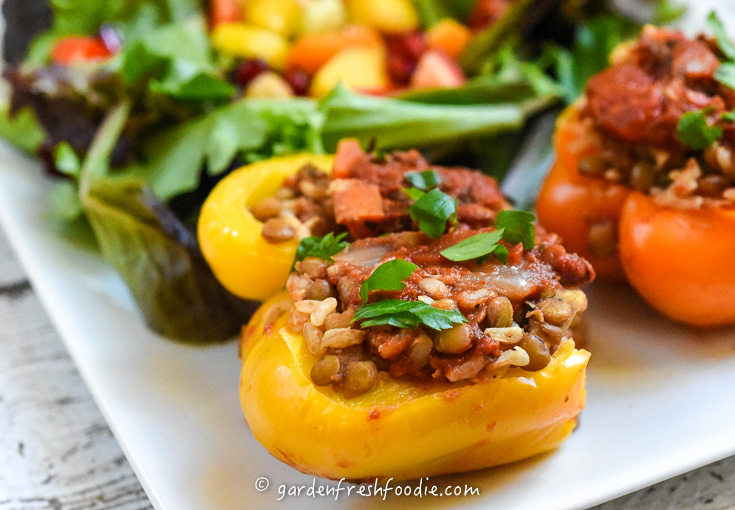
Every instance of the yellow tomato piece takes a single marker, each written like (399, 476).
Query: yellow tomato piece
(323, 16)
(247, 41)
(389, 16)
(282, 16)
(269, 85)
(230, 236)
(358, 68)
(398, 429)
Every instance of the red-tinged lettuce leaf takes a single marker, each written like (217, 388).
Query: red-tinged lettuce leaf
(161, 263)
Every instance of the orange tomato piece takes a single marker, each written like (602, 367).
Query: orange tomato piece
(72, 50)
(224, 11)
(583, 210)
(680, 261)
(450, 36)
(312, 51)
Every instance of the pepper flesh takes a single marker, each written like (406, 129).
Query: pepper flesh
(230, 236)
(571, 203)
(400, 429)
(680, 261)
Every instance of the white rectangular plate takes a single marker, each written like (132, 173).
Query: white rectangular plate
(661, 397)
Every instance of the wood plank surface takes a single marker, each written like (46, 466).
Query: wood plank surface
(57, 452)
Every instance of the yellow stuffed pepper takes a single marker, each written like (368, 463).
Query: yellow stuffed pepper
(251, 224)
(419, 365)
(231, 235)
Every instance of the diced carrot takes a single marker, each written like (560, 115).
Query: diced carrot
(450, 36)
(71, 50)
(348, 153)
(356, 202)
(224, 11)
(313, 50)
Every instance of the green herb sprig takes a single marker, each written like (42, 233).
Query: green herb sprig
(322, 247)
(387, 276)
(425, 180)
(432, 210)
(395, 312)
(511, 226)
(694, 131)
(407, 314)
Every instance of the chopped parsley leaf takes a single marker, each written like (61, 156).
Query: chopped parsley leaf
(718, 29)
(424, 180)
(513, 227)
(387, 276)
(479, 247)
(407, 315)
(322, 247)
(432, 210)
(694, 131)
(518, 227)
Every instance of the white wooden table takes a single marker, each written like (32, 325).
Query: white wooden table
(57, 453)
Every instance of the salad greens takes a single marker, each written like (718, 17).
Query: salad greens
(143, 137)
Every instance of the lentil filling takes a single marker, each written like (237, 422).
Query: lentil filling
(517, 313)
(627, 121)
(365, 196)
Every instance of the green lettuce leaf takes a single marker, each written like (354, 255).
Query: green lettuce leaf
(395, 123)
(160, 261)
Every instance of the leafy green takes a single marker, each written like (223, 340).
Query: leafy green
(518, 227)
(588, 55)
(172, 161)
(694, 131)
(725, 74)
(22, 129)
(397, 123)
(432, 211)
(485, 43)
(432, 11)
(407, 314)
(131, 17)
(718, 29)
(666, 11)
(424, 180)
(157, 256)
(387, 276)
(66, 160)
(322, 247)
(478, 246)
(161, 263)
(174, 60)
(729, 116)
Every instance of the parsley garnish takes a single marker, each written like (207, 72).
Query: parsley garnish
(718, 29)
(725, 74)
(387, 276)
(432, 210)
(512, 227)
(424, 180)
(518, 227)
(694, 131)
(729, 116)
(407, 314)
(323, 247)
(479, 247)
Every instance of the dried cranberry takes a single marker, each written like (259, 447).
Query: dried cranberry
(400, 68)
(248, 70)
(411, 45)
(404, 51)
(487, 12)
(298, 80)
